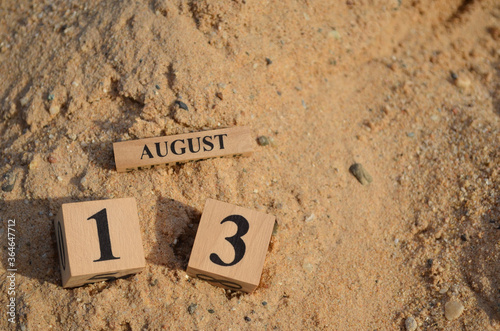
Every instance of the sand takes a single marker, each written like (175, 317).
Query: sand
(408, 89)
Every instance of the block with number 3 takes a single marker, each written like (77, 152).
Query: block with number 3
(98, 240)
(230, 246)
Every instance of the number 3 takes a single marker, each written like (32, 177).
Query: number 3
(236, 241)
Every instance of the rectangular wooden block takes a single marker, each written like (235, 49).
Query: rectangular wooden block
(150, 152)
(230, 246)
(98, 240)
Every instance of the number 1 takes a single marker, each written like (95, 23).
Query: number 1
(101, 219)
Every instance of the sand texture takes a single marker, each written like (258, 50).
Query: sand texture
(408, 89)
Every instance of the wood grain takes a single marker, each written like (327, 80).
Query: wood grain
(211, 238)
(78, 240)
(151, 152)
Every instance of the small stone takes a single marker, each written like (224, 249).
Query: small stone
(334, 34)
(219, 95)
(83, 181)
(211, 311)
(410, 134)
(54, 109)
(33, 164)
(52, 159)
(192, 308)
(444, 289)
(10, 182)
(310, 218)
(360, 173)
(275, 228)
(247, 319)
(268, 61)
(181, 105)
(264, 303)
(453, 310)
(263, 141)
(24, 101)
(157, 86)
(59, 178)
(462, 82)
(50, 97)
(453, 75)
(72, 136)
(411, 324)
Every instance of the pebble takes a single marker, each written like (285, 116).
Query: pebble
(24, 101)
(444, 289)
(181, 105)
(334, 34)
(157, 86)
(263, 141)
(54, 109)
(360, 173)
(264, 303)
(268, 61)
(52, 159)
(310, 218)
(462, 82)
(275, 228)
(247, 319)
(453, 310)
(411, 324)
(192, 308)
(33, 164)
(9, 183)
(219, 95)
(211, 311)
(50, 97)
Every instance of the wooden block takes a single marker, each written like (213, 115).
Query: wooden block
(151, 152)
(98, 240)
(230, 246)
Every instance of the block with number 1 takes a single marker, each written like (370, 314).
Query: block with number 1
(98, 240)
(230, 246)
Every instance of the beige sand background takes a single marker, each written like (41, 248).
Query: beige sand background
(409, 89)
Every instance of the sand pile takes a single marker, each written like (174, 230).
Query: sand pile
(408, 89)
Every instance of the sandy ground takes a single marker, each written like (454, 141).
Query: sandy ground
(409, 89)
